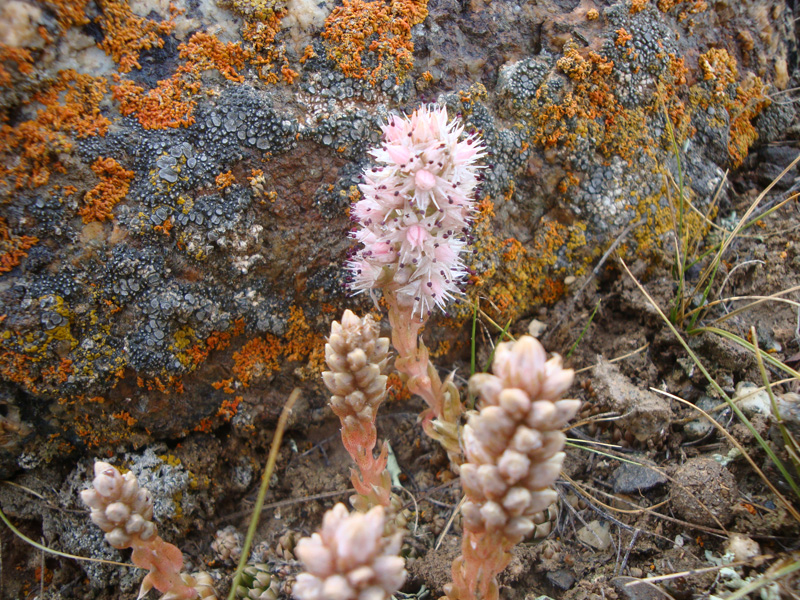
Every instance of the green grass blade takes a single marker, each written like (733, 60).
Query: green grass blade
(503, 334)
(583, 331)
(745, 344)
(44, 548)
(474, 344)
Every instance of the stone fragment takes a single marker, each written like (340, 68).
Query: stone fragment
(636, 479)
(595, 535)
(643, 414)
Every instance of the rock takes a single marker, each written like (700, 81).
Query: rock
(643, 414)
(595, 535)
(700, 427)
(743, 547)
(752, 401)
(636, 479)
(561, 579)
(631, 588)
(704, 492)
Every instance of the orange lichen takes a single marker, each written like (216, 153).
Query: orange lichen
(262, 50)
(224, 180)
(308, 52)
(638, 6)
(125, 417)
(666, 5)
(194, 355)
(16, 368)
(380, 28)
(69, 12)
(20, 57)
(524, 274)
(719, 66)
(302, 343)
(224, 385)
(397, 388)
(206, 425)
(257, 359)
(592, 14)
(170, 104)
(750, 100)
(13, 247)
(573, 64)
(623, 37)
(57, 374)
(70, 108)
(127, 34)
(204, 52)
(228, 408)
(743, 104)
(112, 189)
(260, 357)
(159, 108)
(589, 108)
(172, 384)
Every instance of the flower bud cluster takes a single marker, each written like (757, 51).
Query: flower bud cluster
(414, 218)
(357, 358)
(120, 507)
(513, 445)
(350, 558)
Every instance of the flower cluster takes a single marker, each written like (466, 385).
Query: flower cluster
(357, 359)
(414, 217)
(120, 507)
(513, 445)
(350, 559)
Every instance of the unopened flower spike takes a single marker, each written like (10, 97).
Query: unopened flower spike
(513, 449)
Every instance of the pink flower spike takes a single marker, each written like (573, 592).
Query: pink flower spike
(417, 207)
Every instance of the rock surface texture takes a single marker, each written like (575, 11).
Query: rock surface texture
(175, 181)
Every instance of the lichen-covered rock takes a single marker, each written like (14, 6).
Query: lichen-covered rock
(175, 185)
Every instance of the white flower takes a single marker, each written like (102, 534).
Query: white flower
(414, 218)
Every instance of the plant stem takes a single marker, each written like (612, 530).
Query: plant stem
(262, 491)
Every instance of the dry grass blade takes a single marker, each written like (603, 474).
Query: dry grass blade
(755, 561)
(791, 565)
(615, 359)
(776, 297)
(449, 523)
(722, 530)
(788, 440)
